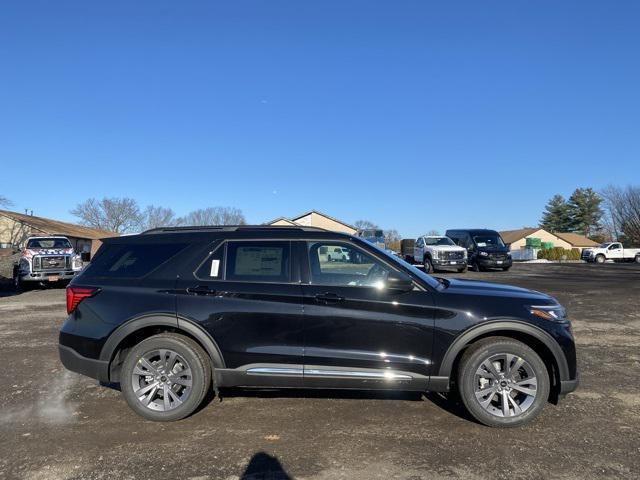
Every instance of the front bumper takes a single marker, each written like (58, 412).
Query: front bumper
(489, 262)
(568, 386)
(49, 276)
(436, 262)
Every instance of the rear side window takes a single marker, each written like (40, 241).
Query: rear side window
(258, 261)
(131, 261)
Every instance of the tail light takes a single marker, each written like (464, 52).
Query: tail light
(76, 294)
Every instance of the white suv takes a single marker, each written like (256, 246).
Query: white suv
(438, 251)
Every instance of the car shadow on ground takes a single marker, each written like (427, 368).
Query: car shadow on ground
(449, 402)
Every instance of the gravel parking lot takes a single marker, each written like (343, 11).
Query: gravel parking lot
(59, 425)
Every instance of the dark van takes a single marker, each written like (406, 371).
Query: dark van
(486, 249)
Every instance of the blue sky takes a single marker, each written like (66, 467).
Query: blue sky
(416, 115)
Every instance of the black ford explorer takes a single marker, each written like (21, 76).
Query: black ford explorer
(173, 313)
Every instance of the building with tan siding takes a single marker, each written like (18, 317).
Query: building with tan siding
(314, 218)
(517, 239)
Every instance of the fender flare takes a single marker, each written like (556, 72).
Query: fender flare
(500, 325)
(180, 324)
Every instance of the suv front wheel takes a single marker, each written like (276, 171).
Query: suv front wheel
(503, 382)
(165, 377)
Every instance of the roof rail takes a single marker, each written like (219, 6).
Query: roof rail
(232, 228)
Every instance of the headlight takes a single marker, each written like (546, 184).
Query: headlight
(77, 262)
(434, 254)
(484, 254)
(555, 313)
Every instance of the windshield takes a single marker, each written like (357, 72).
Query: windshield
(372, 233)
(438, 241)
(48, 243)
(428, 279)
(488, 241)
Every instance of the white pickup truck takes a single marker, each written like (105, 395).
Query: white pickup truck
(611, 251)
(435, 252)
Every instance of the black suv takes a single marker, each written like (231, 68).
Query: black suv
(174, 313)
(485, 248)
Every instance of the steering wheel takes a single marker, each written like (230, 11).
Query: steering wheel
(376, 274)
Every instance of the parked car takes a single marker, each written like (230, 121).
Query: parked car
(174, 312)
(46, 260)
(611, 251)
(335, 254)
(485, 248)
(436, 252)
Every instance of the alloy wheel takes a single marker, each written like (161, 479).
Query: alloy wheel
(162, 380)
(505, 385)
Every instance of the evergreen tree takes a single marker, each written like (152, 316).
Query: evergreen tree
(585, 211)
(556, 216)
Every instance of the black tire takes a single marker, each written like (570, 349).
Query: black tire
(188, 351)
(638, 259)
(463, 269)
(468, 381)
(601, 259)
(505, 269)
(18, 285)
(476, 266)
(428, 266)
(328, 258)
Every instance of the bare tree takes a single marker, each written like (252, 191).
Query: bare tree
(154, 217)
(5, 202)
(120, 215)
(433, 233)
(364, 225)
(623, 213)
(214, 216)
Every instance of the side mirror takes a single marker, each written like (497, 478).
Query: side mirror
(85, 256)
(399, 282)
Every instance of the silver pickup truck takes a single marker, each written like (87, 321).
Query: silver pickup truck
(46, 260)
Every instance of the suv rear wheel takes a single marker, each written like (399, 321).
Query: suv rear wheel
(503, 382)
(165, 377)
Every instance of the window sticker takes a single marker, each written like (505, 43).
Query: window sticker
(482, 244)
(215, 267)
(258, 261)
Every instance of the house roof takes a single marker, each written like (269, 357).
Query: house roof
(292, 220)
(510, 236)
(298, 217)
(280, 219)
(50, 227)
(576, 239)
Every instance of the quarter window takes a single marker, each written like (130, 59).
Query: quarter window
(352, 267)
(213, 266)
(258, 261)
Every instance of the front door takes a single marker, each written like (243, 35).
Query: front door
(357, 333)
(246, 295)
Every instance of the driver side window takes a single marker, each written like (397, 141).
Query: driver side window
(351, 267)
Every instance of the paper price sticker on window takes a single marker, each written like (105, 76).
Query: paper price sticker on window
(215, 267)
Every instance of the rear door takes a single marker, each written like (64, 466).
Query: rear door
(357, 333)
(246, 295)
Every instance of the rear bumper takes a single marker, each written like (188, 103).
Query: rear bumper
(72, 360)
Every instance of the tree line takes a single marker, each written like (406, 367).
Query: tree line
(612, 214)
(124, 215)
